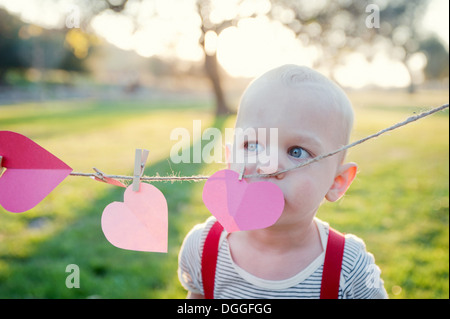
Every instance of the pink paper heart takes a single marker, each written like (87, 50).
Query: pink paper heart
(239, 205)
(31, 172)
(140, 222)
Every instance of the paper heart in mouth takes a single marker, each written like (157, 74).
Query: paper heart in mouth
(239, 205)
(31, 172)
(140, 222)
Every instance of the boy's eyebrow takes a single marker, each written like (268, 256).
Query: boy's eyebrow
(309, 139)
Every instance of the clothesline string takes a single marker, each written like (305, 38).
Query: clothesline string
(197, 178)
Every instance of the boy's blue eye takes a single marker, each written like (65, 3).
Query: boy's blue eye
(297, 152)
(252, 147)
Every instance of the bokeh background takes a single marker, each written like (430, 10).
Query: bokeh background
(91, 81)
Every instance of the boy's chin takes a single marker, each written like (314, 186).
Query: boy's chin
(281, 223)
(291, 218)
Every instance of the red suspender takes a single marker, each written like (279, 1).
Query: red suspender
(331, 268)
(209, 259)
(332, 265)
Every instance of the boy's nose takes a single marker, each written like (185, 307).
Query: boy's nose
(273, 167)
(280, 176)
(266, 169)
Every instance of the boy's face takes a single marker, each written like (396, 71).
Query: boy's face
(307, 127)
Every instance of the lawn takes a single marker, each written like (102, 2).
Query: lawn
(399, 202)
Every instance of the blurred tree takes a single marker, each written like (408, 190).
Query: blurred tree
(402, 18)
(78, 47)
(24, 46)
(339, 27)
(437, 67)
(9, 44)
(212, 68)
(44, 49)
(335, 27)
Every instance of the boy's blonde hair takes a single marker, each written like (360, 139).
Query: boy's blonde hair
(295, 77)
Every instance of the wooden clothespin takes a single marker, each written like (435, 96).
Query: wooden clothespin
(100, 176)
(1, 167)
(241, 174)
(139, 165)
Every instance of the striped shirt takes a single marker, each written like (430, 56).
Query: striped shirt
(360, 277)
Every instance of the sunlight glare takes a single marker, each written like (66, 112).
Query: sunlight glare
(171, 28)
(172, 31)
(210, 42)
(223, 10)
(258, 44)
(116, 29)
(47, 14)
(436, 19)
(357, 72)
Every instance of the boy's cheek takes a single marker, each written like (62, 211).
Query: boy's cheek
(301, 191)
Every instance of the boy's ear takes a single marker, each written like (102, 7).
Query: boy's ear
(342, 181)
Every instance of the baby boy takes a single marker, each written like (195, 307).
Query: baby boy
(313, 116)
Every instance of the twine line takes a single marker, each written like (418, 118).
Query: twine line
(143, 178)
(197, 178)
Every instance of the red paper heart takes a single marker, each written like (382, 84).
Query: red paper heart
(140, 222)
(31, 172)
(239, 205)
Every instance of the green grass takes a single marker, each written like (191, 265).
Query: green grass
(398, 203)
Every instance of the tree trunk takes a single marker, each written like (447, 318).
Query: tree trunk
(2, 77)
(212, 70)
(412, 85)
